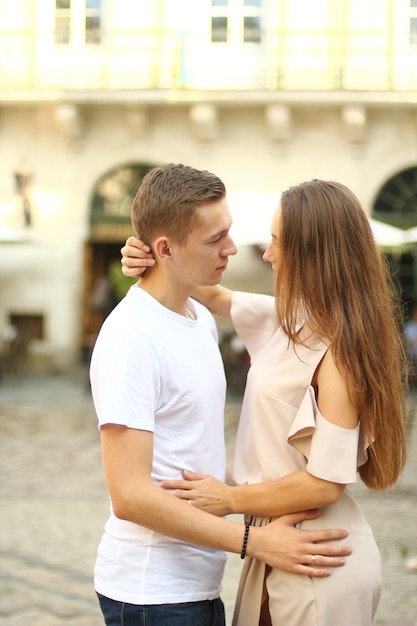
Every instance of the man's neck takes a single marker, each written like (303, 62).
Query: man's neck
(166, 292)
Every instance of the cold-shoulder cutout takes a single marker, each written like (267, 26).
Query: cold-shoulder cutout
(333, 453)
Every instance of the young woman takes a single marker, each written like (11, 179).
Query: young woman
(324, 399)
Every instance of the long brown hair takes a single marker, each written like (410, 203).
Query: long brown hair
(331, 271)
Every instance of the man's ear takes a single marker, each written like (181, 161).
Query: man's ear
(162, 248)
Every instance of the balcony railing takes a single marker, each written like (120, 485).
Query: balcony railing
(287, 61)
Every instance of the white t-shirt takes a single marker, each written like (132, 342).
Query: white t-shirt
(155, 370)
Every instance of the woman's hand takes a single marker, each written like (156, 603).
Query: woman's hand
(202, 491)
(136, 257)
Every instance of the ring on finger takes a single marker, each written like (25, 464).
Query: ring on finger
(313, 559)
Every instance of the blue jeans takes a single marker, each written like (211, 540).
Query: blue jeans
(204, 613)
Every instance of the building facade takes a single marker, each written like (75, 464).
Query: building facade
(265, 93)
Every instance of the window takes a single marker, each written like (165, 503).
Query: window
(396, 202)
(413, 22)
(62, 21)
(92, 21)
(31, 326)
(115, 191)
(236, 21)
(78, 21)
(413, 31)
(219, 29)
(252, 29)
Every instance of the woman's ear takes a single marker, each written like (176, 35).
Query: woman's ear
(162, 248)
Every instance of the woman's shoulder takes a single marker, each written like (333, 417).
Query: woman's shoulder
(333, 395)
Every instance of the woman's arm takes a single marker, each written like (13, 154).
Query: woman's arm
(294, 492)
(136, 257)
(217, 299)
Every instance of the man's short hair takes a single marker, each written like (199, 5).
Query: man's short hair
(168, 197)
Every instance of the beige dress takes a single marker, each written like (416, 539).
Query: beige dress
(281, 430)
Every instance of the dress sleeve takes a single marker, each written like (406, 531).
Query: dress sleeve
(333, 453)
(254, 319)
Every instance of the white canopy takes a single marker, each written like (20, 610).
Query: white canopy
(387, 236)
(14, 235)
(252, 213)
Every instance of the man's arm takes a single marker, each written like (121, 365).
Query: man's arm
(127, 460)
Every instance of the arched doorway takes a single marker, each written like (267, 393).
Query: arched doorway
(396, 204)
(110, 225)
(396, 201)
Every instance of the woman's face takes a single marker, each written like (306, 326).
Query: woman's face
(272, 252)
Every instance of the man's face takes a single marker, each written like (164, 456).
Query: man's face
(203, 258)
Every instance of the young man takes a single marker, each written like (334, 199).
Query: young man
(159, 389)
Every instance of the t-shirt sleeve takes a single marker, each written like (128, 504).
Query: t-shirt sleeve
(254, 319)
(333, 453)
(124, 379)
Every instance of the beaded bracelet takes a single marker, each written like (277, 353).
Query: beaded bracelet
(245, 540)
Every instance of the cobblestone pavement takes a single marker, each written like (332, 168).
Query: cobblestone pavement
(54, 505)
